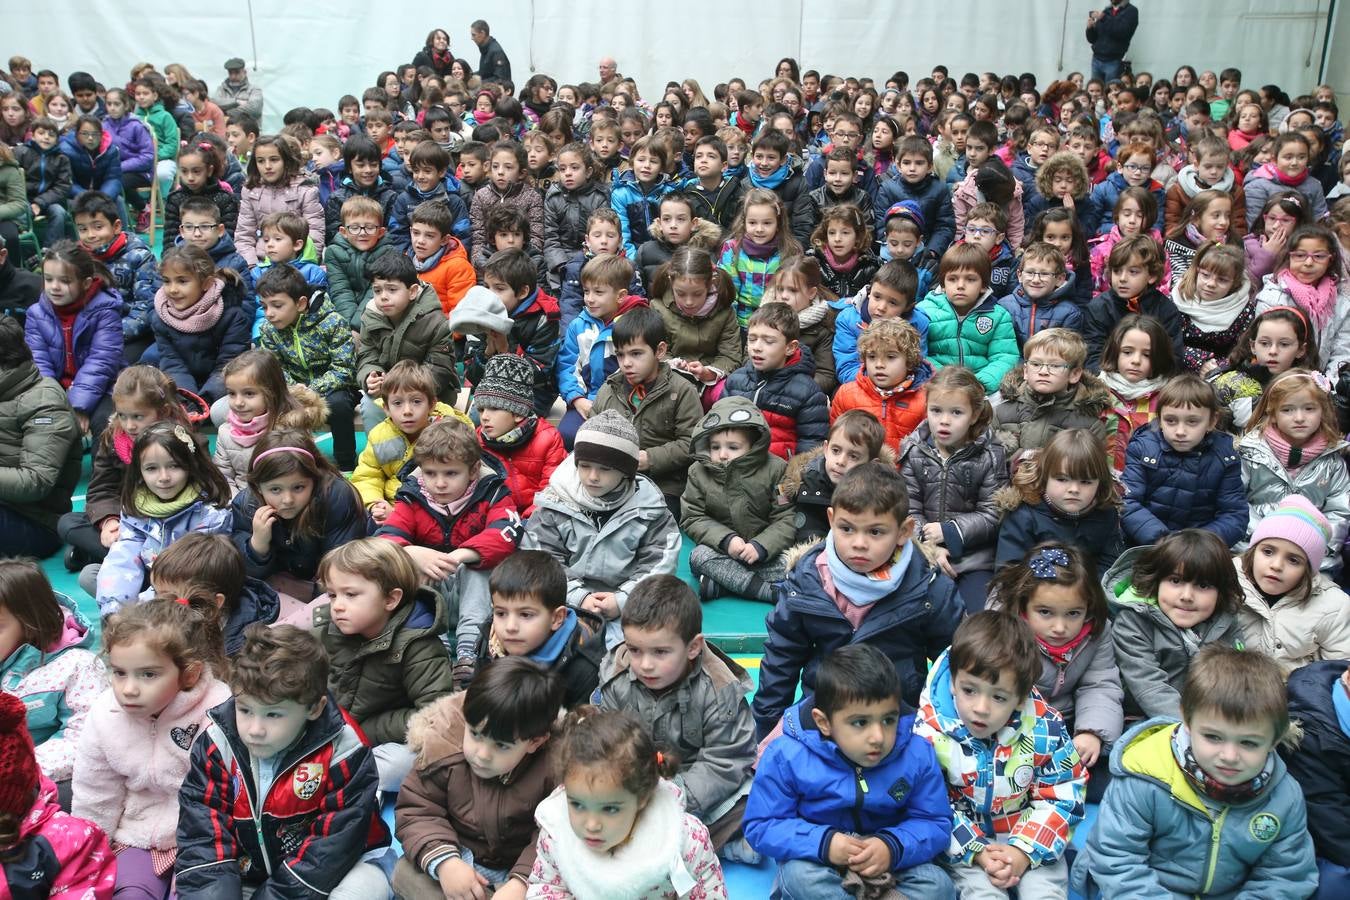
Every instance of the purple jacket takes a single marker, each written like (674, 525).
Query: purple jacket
(133, 142)
(97, 342)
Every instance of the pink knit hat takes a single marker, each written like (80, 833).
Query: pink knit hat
(1295, 519)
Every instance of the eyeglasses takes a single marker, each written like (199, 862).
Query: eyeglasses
(360, 230)
(979, 231)
(848, 134)
(89, 135)
(1304, 256)
(1036, 275)
(1039, 365)
(185, 228)
(1136, 168)
(1042, 145)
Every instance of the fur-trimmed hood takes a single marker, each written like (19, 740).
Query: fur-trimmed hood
(792, 478)
(311, 410)
(1063, 163)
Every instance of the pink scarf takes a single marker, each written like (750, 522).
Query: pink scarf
(122, 445)
(198, 317)
(847, 264)
(246, 434)
(1270, 171)
(1319, 300)
(1060, 654)
(454, 507)
(1293, 458)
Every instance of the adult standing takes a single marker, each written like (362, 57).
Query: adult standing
(436, 54)
(1109, 32)
(39, 450)
(492, 62)
(235, 92)
(609, 70)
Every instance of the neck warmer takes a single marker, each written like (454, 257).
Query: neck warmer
(200, 316)
(1210, 316)
(482, 117)
(110, 251)
(759, 251)
(813, 314)
(150, 505)
(1291, 457)
(246, 434)
(709, 304)
(454, 507)
(1274, 174)
(122, 446)
(867, 588)
(1061, 654)
(565, 487)
(1228, 794)
(1318, 300)
(1193, 235)
(848, 264)
(1125, 389)
(772, 180)
(1340, 699)
(440, 59)
(521, 434)
(547, 654)
(431, 262)
(1191, 184)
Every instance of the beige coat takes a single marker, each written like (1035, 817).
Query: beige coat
(1293, 633)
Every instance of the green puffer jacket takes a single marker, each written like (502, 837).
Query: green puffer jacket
(39, 446)
(13, 193)
(316, 350)
(665, 420)
(741, 497)
(348, 287)
(382, 682)
(423, 336)
(983, 340)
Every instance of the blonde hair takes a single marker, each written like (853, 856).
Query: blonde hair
(892, 334)
(1286, 385)
(1067, 345)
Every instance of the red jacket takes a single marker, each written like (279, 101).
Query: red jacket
(489, 524)
(529, 464)
(899, 411)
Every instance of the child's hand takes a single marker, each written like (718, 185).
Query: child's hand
(514, 889)
(37, 210)
(374, 384)
(842, 848)
(1067, 200)
(942, 558)
(460, 882)
(873, 858)
(108, 531)
(602, 603)
(462, 557)
(1017, 864)
(1089, 747)
(1208, 366)
(994, 863)
(932, 532)
(82, 419)
(1276, 239)
(748, 555)
(431, 563)
(583, 406)
(495, 344)
(644, 463)
(735, 546)
(263, 519)
(379, 511)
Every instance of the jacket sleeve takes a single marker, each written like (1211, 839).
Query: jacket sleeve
(242, 508)
(1015, 537)
(88, 865)
(246, 231)
(804, 216)
(555, 255)
(340, 290)
(926, 828)
(426, 678)
(1325, 788)
(616, 202)
(1098, 697)
(341, 373)
(674, 455)
(59, 183)
(1140, 672)
(422, 821)
(1118, 846)
(208, 854)
(1256, 191)
(171, 362)
(845, 346)
(123, 571)
(1141, 525)
(311, 210)
(1057, 793)
(541, 533)
(979, 528)
(694, 519)
(787, 647)
(225, 463)
(96, 374)
(47, 433)
(658, 553)
(1231, 522)
(1002, 354)
(813, 418)
(104, 496)
(944, 229)
(541, 345)
(500, 536)
(368, 478)
(440, 357)
(400, 222)
(772, 823)
(778, 535)
(568, 384)
(98, 793)
(234, 340)
(1288, 868)
(725, 761)
(343, 521)
(477, 231)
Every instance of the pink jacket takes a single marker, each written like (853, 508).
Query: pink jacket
(1099, 253)
(88, 867)
(966, 196)
(257, 203)
(128, 770)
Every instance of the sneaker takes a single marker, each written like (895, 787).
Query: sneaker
(738, 850)
(74, 559)
(708, 589)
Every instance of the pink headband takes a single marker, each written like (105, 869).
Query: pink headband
(266, 453)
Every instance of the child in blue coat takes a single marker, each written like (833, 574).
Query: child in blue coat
(805, 807)
(911, 178)
(1204, 806)
(1319, 698)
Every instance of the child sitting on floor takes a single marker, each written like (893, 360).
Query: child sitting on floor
(777, 377)
(855, 437)
(892, 382)
(527, 445)
(1050, 392)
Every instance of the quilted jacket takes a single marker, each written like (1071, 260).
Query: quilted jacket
(1167, 491)
(793, 404)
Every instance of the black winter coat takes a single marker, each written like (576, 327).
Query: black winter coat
(1321, 762)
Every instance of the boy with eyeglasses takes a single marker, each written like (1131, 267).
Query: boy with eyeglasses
(986, 228)
(1041, 145)
(846, 134)
(200, 225)
(1043, 296)
(1049, 393)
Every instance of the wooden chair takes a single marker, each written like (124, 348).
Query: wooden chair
(151, 194)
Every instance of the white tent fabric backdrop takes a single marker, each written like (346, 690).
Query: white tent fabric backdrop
(306, 53)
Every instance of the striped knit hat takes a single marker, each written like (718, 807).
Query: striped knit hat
(608, 439)
(507, 383)
(1295, 519)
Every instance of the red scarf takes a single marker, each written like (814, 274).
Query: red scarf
(1270, 171)
(1060, 654)
(65, 317)
(111, 251)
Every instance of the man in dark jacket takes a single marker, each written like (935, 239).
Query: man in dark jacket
(1109, 32)
(492, 62)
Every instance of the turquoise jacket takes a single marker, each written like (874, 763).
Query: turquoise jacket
(162, 123)
(983, 340)
(1156, 838)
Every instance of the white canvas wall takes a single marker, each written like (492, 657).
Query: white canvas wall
(311, 53)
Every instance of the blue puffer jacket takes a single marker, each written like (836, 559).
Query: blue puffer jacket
(1157, 837)
(196, 361)
(935, 204)
(570, 298)
(1096, 533)
(136, 272)
(97, 342)
(400, 213)
(636, 207)
(793, 404)
(586, 357)
(912, 624)
(1033, 202)
(1056, 311)
(1166, 491)
(1101, 204)
(854, 316)
(806, 791)
(93, 171)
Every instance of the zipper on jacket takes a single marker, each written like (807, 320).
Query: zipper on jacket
(1215, 832)
(860, 795)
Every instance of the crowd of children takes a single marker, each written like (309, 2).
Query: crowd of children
(1023, 415)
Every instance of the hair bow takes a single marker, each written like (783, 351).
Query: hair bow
(1043, 564)
(182, 434)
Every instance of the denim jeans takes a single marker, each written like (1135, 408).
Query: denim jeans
(1106, 69)
(801, 879)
